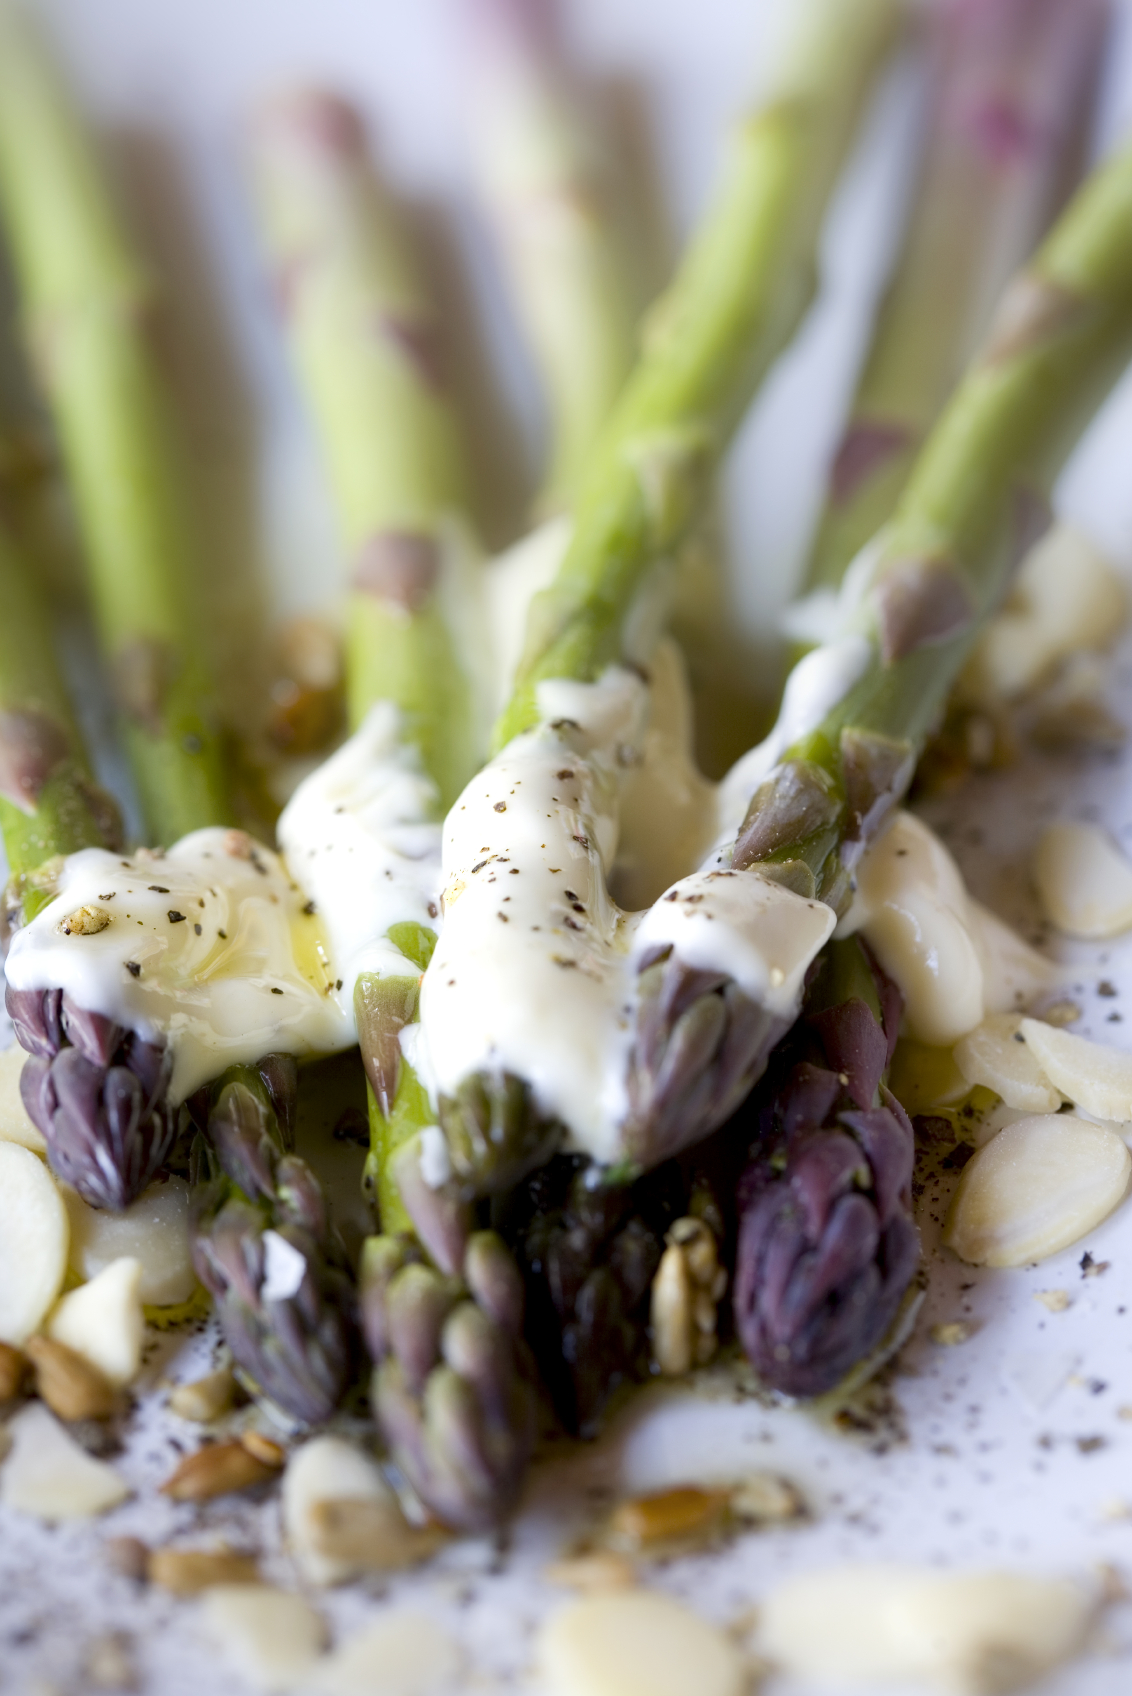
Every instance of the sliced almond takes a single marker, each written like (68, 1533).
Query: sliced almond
(1092, 1075)
(1084, 881)
(33, 1242)
(103, 1321)
(13, 1371)
(47, 1474)
(403, 1653)
(1039, 1185)
(186, 1572)
(15, 1126)
(205, 1399)
(637, 1643)
(272, 1636)
(764, 1498)
(340, 1516)
(995, 1055)
(153, 1230)
(865, 1625)
(68, 1383)
(216, 1470)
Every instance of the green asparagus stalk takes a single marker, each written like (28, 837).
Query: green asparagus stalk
(86, 300)
(49, 804)
(738, 296)
(543, 174)
(977, 495)
(1012, 82)
(366, 345)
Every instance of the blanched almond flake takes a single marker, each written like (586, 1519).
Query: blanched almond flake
(637, 1643)
(1039, 1185)
(33, 1242)
(860, 1626)
(341, 1518)
(15, 1126)
(48, 1475)
(153, 1230)
(1095, 1077)
(273, 1637)
(995, 1055)
(1054, 1301)
(593, 1571)
(103, 1321)
(403, 1653)
(1083, 880)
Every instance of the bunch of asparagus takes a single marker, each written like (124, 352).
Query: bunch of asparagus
(507, 1261)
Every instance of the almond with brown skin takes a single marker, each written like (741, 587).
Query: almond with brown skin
(186, 1572)
(13, 1370)
(71, 1386)
(216, 1470)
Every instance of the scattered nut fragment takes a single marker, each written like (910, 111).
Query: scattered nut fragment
(864, 1625)
(103, 1321)
(1084, 881)
(995, 1055)
(341, 1518)
(1055, 1300)
(84, 921)
(13, 1371)
(128, 1557)
(766, 1499)
(1061, 1013)
(216, 1470)
(47, 1474)
(186, 1572)
(265, 1449)
(1092, 1075)
(69, 1384)
(1038, 1186)
(687, 1287)
(951, 1334)
(594, 1571)
(273, 1636)
(205, 1399)
(637, 1643)
(33, 1242)
(402, 1653)
(668, 1516)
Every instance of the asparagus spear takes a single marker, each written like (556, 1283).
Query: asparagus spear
(738, 295)
(542, 173)
(451, 1387)
(86, 301)
(1011, 91)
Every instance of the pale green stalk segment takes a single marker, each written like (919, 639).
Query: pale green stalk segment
(738, 296)
(1010, 96)
(365, 344)
(86, 301)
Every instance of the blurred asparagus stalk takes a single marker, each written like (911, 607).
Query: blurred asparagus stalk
(451, 1390)
(1010, 98)
(87, 302)
(545, 178)
(738, 295)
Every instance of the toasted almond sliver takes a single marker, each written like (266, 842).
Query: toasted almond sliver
(216, 1470)
(205, 1399)
(863, 1626)
(668, 1515)
(1039, 1185)
(68, 1383)
(186, 1572)
(273, 1636)
(1090, 1074)
(637, 1643)
(264, 1449)
(996, 1056)
(13, 1371)
(1083, 880)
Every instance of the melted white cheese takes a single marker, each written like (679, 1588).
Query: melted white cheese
(207, 945)
(953, 962)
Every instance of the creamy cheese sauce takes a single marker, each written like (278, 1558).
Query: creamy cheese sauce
(209, 945)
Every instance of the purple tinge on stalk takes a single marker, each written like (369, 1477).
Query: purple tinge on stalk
(31, 746)
(827, 1244)
(96, 1092)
